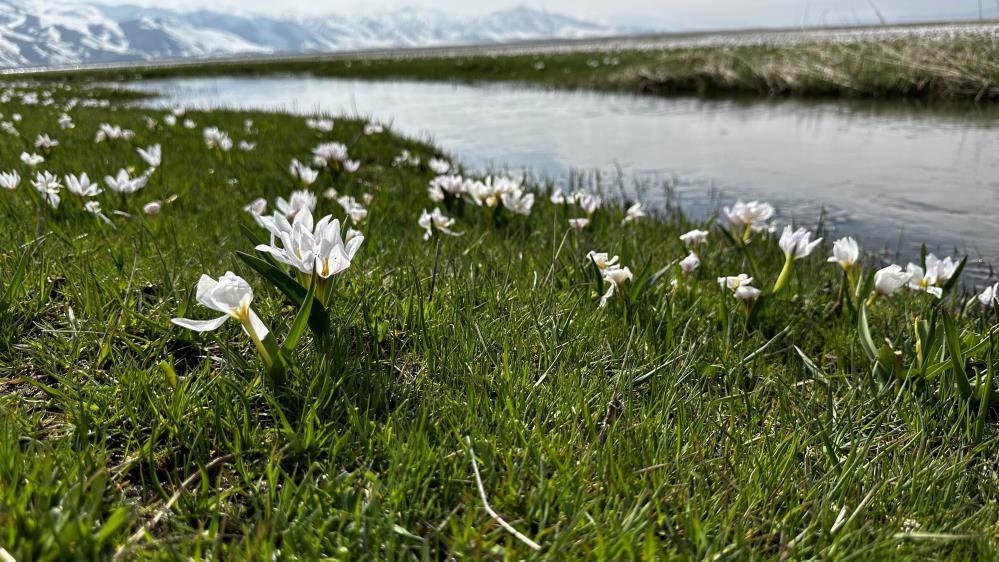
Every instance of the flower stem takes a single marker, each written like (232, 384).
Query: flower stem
(785, 274)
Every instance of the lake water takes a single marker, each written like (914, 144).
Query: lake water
(892, 174)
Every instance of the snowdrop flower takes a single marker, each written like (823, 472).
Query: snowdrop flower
(48, 185)
(299, 200)
(326, 154)
(750, 217)
(45, 143)
(845, 252)
(694, 238)
(633, 213)
(153, 155)
(231, 295)
(123, 183)
(579, 224)
(435, 220)
(94, 208)
(246, 146)
(602, 260)
(32, 160)
(689, 264)
(439, 166)
(518, 202)
(10, 180)
(321, 125)
(66, 122)
(990, 296)
(152, 208)
(797, 244)
(373, 129)
(82, 186)
(616, 277)
(890, 279)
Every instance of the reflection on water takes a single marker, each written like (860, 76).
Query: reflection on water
(894, 174)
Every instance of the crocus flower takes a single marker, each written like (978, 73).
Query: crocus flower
(351, 166)
(444, 186)
(558, 197)
(307, 247)
(518, 202)
(602, 260)
(66, 122)
(45, 143)
(189, 124)
(747, 218)
(217, 138)
(435, 221)
(247, 146)
(633, 213)
(326, 154)
(10, 180)
(373, 129)
(615, 277)
(845, 252)
(589, 202)
(926, 281)
(152, 208)
(689, 264)
(305, 174)
(170, 120)
(354, 210)
(123, 183)
(82, 186)
(48, 185)
(579, 224)
(300, 199)
(32, 160)
(321, 125)
(795, 244)
(152, 155)
(231, 295)
(732, 283)
(694, 238)
(94, 208)
(890, 279)
(256, 207)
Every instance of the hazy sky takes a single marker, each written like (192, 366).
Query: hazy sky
(676, 14)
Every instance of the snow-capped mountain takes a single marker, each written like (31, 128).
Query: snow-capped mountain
(59, 32)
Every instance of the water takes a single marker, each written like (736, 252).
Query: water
(894, 175)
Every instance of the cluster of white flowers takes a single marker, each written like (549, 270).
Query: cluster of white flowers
(304, 174)
(216, 138)
(332, 154)
(107, 132)
(356, 211)
(435, 220)
(406, 158)
(311, 247)
(611, 272)
(321, 125)
(751, 217)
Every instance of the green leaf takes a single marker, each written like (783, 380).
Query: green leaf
(16, 280)
(956, 356)
(866, 341)
(318, 317)
(115, 522)
(301, 319)
(278, 365)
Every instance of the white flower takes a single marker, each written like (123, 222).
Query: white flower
(797, 244)
(321, 125)
(189, 124)
(616, 277)
(246, 146)
(94, 208)
(151, 123)
(231, 295)
(435, 220)
(734, 283)
(589, 202)
(634, 212)
(929, 281)
(306, 247)
(32, 160)
(45, 143)
(170, 120)
(66, 122)
(351, 166)
(689, 264)
(331, 193)
(108, 132)
(48, 185)
(373, 129)
(300, 199)
(10, 180)
(845, 252)
(256, 207)
(123, 183)
(248, 125)
(355, 210)
(153, 155)
(304, 173)
(152, 208)
(694, 238)
(747, 293)
(325, 154)
(754, 215)
(559, 198)
(518, 202)
(602, 260)
(217, 138)
(990, 296)
(82, 186)
(945, 268)
(446, 185)
(439, 166)
(890, 279)
(9, 128)
(579, 224)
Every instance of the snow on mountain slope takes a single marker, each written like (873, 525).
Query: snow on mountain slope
(54, 32)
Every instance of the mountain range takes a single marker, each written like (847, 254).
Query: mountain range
(64, 32)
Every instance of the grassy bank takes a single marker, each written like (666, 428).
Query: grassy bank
(941, 68)
(461, 380)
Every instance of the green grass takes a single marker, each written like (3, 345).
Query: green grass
(956, 68)
(670, 429)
